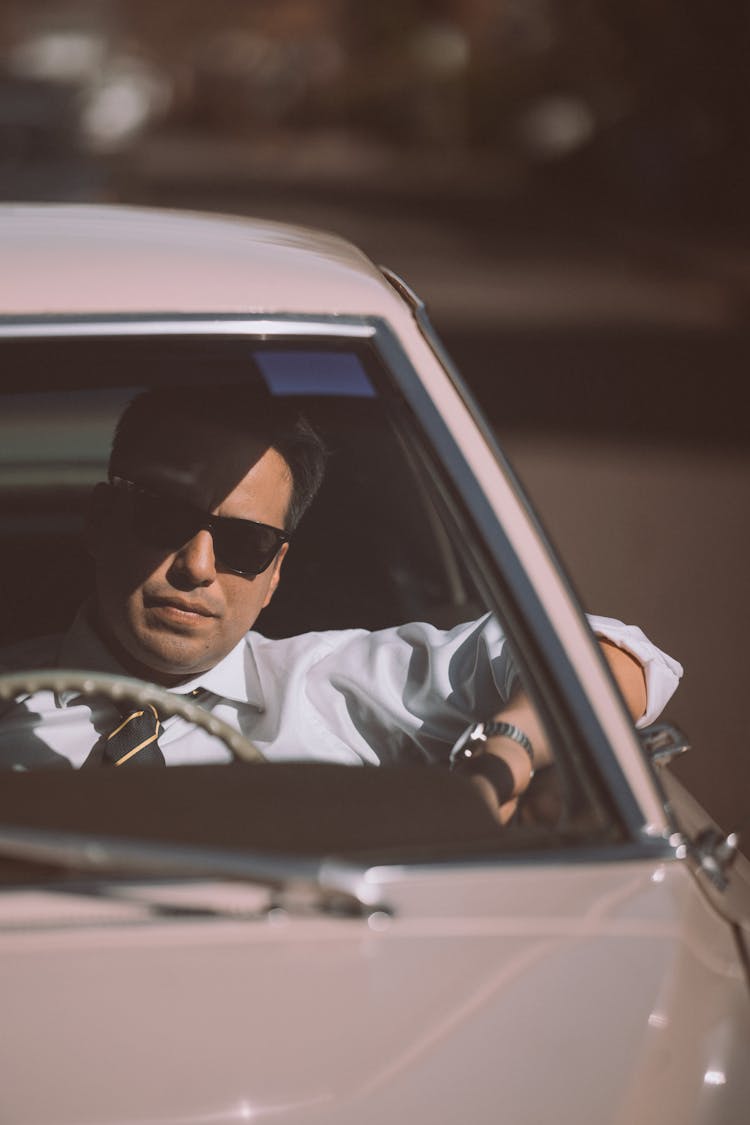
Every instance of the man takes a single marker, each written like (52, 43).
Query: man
(189, 537)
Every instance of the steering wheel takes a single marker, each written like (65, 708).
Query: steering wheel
(128, 690)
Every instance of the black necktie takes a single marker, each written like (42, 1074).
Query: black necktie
(134, 742)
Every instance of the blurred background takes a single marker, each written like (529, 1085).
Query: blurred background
(564, 182)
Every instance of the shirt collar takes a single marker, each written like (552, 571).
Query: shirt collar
(234, 678)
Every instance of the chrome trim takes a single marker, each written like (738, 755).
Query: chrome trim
(405, 291)
(715, 854)
(172, 325)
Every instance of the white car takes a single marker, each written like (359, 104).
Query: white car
(314, 943)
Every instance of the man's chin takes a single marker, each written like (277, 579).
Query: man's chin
(165, 660)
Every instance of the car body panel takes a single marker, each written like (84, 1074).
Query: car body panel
(121, 260)
(610, 989)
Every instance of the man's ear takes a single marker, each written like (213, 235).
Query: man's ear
(99, 508)
(275, 574)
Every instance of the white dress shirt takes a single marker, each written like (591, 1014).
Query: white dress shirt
(397, 695)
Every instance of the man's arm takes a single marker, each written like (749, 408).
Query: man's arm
(631, 680)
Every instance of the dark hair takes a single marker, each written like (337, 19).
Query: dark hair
(244, 408)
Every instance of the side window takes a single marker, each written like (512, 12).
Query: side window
(380, 549)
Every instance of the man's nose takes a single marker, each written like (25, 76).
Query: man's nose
(195, 562)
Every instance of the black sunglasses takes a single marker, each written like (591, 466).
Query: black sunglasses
(244, 546)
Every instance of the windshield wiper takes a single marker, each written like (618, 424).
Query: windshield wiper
(296, 884)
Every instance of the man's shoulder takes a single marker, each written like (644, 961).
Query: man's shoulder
(351, 643)
(35, 652)
(314, 641)
(410, 632)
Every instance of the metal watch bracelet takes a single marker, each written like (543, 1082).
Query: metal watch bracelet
(510, 730)
(472, 741)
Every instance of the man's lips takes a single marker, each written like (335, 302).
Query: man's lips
(180, 605)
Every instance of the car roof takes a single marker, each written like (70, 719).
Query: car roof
(99, 259)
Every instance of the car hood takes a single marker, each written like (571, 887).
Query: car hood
(512, 981)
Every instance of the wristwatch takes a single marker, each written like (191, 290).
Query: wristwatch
(473, 741)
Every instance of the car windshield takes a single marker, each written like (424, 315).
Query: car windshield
(385, 546)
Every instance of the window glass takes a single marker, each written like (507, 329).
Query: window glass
(377, 648)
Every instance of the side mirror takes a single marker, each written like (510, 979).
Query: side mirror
(662, 742)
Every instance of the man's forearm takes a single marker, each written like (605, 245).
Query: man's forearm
(630, 678)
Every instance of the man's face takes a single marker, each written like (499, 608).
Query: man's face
(174, 613)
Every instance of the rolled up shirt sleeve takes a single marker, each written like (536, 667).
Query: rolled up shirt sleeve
(662, 672)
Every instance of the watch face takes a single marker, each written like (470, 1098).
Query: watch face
(468, 744)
